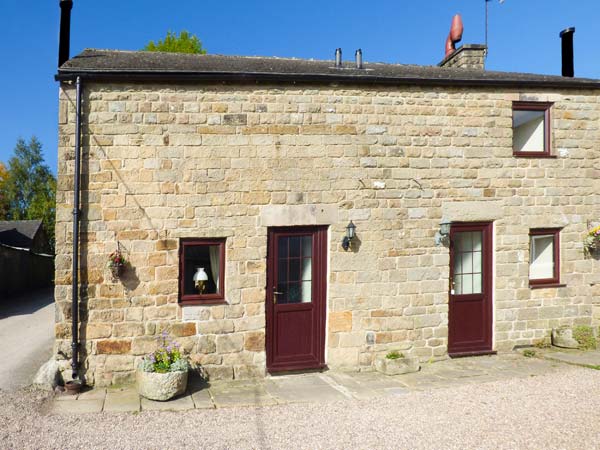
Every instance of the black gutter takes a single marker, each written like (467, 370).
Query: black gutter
(76, 213)
(187, 77)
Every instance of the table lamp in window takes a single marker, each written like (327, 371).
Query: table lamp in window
(200, 279)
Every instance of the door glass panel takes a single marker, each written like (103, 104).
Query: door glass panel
(295, 246)
(282, 247)
(307, 268)
(295, 274)
(468, 265)
(294, 294)
(294, 269)
(467, 284)
(306, 291)
(307, 246)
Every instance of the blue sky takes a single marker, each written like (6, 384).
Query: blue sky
(523, 36)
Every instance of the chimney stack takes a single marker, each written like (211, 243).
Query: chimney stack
(358, 58)
(566, 37)
(338, 58)
(65, 31)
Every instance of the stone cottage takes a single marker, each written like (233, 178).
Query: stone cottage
(286, 214)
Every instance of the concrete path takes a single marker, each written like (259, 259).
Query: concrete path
(26, 336)
(329, 386)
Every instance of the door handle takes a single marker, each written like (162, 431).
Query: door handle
(275, 293)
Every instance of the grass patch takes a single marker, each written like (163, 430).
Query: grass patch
(584, 335)
(529, 353)
(394, 355)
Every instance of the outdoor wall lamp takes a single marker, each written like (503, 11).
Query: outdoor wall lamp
(350, 233)
(442, 237)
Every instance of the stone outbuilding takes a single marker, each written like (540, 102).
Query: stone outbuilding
(284, 214)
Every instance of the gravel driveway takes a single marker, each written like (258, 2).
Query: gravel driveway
(559, 410)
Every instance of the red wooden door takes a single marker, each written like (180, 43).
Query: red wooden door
(470, 309)
(295, 303)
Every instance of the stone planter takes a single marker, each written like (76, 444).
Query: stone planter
(398, 366)
(563, 337)
(161, 386)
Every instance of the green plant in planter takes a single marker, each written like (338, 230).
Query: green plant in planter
(394, 355)
(166, 358)
(585, 336)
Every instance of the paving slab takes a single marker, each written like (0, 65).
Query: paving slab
(578, 358)
(122, 401)
(181, 403)
(92, 394)
(77, 407)
(202, 399)
(286, 391)
(366, 385)
(231, 394)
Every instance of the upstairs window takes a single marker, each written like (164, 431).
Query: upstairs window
(531, 129)
(544, 257)
(201, 271)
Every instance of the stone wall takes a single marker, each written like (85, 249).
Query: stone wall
(162, 162)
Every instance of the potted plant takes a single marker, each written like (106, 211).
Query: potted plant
(396, 363)
(163, 374)
(116, 262)
(592, 240)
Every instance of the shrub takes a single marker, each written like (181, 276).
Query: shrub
(529, 353)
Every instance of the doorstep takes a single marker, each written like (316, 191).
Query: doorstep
(329, 386)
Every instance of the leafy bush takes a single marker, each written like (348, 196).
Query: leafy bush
(584, 335)
(166, 358)
(394, 355)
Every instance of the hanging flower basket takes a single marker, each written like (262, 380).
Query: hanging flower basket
(116, 263)
(116, 270)
(592, 240)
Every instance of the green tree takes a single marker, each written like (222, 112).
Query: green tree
(184, 43)
(30, 188)
(3, 197)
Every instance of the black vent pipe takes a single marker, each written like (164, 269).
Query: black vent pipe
(76, 214)
(64, 37)
(566, 37)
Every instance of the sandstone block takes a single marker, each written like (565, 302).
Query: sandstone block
(183, 329)
(254, 341)
(229, 343)
(113, 347)
(340, 321)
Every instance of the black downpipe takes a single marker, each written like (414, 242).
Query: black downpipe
(76, 212)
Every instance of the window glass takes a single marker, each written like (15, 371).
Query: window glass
(542, 257)
(528, 131)
(201, 263)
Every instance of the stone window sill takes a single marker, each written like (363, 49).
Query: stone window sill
(549, 285)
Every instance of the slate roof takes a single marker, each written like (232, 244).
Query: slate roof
(159, 66)
(19, 233)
